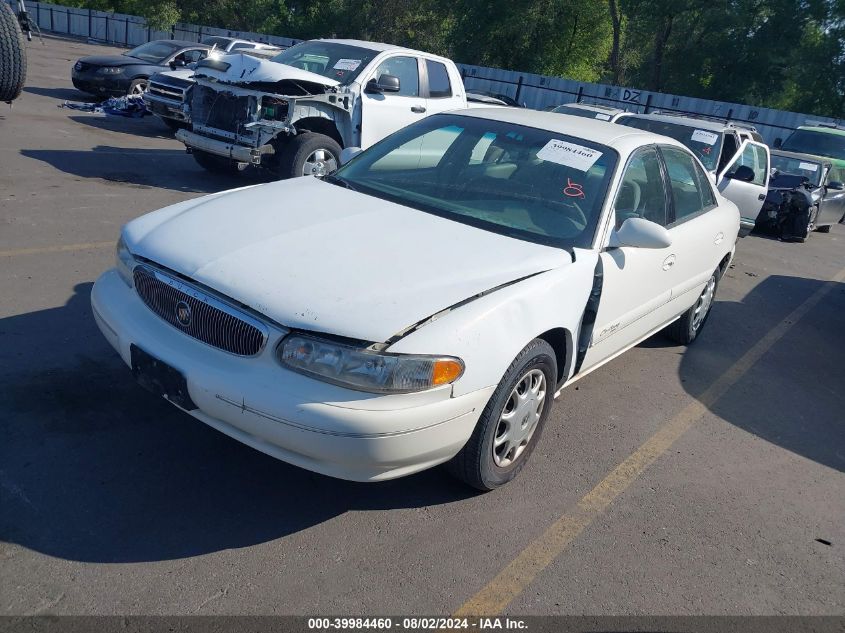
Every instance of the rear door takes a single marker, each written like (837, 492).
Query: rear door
(384, 113)
(442, 89)
(749, 195)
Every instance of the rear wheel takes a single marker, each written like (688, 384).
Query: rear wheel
(686, 329)
(12, 55)
(215, 164)
(309, 154)
(511, 423)
(173, 124)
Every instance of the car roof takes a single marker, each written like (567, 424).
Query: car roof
(701, 124)
(619, 137)
(801, 156)
(823, 128)
(594, 107)
(380, 47)
(184, 43)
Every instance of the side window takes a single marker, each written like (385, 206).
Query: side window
(688, 194)
(753, 156)
(642, 193)
(438, 80)
(408, 72)
(192, 55)
(729, 148)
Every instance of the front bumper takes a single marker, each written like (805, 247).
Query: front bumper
(97, 84)
(320, 427)
(746, 225)
(234, 151)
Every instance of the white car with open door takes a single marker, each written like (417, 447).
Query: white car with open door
(394, 316)
(733, 154)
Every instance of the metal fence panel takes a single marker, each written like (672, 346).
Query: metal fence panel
(535, 91)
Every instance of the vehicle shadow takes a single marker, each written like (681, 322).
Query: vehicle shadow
(96, 469)
(63, 94)
(147, 127)
(794, 395)
(158, 168)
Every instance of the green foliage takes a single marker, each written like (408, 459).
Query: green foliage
(787, 54)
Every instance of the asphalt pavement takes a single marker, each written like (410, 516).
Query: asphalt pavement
(701, 480)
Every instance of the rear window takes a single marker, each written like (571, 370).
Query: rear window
(705, 144)
(818, 143)
(438, 80)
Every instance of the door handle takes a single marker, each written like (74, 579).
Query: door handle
(417, 109)
(719, 237)
(762, 196)
(668, 262)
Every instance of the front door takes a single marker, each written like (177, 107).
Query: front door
(748, 195)
(384, 113)
(637, 282)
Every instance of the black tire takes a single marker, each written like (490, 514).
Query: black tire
(12, 55)
(215, 164)
(172, 124)
(686, 329)
(138, 86)
(475, 464)
(824, 229)
(298, 149)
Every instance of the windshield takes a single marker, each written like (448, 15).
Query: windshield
(589, 114)
(155, 52)
(523, 182)
(809, 169)
(818, 143)
(705, 144)
(340, 62)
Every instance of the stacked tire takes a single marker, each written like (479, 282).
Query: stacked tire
(12, 54)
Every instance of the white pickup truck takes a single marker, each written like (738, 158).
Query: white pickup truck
(295, 113)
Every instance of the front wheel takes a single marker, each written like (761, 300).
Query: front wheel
(824, 229)
(309, 154)
(686, 329)
(138, 87)
(511, 423)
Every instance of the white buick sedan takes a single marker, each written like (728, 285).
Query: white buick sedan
(425, 303)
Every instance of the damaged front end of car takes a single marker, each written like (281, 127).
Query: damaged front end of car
(790, 207)
(241, 107)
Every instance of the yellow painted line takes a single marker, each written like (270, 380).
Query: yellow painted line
(67, 248)
(541, 552)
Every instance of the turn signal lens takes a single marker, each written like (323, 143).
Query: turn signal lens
(446, 371)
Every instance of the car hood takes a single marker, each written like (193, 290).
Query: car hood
(114, 60)
(239, 68)
(316, 256)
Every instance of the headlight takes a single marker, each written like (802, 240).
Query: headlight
(124, 262)
(111, 70)
(365, 370)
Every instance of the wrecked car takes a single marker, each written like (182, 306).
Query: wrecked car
(295, 113)
(801, 197)
(419, 306)
(167, 93)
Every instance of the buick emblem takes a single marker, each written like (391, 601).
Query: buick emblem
(183, 313)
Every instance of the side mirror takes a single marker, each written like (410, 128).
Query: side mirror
(348, 153)
(641, 233)
(835, 185)
(177, 63)
(743, 173)
(385, 83)
(778, 142)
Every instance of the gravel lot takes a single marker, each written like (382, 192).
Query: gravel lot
(114, 502)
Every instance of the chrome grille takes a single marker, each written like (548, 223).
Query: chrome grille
(168, 92)
(209, 320)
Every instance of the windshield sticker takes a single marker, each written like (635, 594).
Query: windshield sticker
(573, 189)
(703, 136)
(603, 117)
(808, 166)
(569, 154)
(347, 64)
